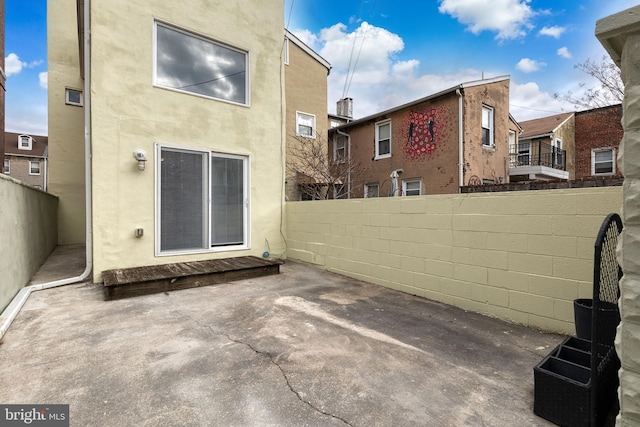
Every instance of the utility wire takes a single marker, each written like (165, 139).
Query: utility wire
(212, 80)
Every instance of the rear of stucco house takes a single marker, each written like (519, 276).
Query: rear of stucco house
(195, 89)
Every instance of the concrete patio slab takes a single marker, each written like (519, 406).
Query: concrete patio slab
(303, 348)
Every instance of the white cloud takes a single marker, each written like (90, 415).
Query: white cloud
(44, 79)
(527, 65)
(13, 64)
(554, 31)
(381, 80)
(509, 18)
(528, 101)
(564, 52)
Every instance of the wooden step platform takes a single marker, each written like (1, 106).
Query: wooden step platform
(129, 282)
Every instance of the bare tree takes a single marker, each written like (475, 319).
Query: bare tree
(608, 91)
(317, 172)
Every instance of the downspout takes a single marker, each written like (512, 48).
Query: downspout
(11, 312)
(460, 143)
(349, 160)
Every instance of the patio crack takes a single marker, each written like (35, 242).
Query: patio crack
(274, 362)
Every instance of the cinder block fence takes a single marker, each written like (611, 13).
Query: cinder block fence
(519, 256)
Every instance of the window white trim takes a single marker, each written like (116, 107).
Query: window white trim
(6, 167)
(247, 65)
(409, 187)
(25, 142)
(286, 51)
(594, 163)
(379, 139)
(207, 246)
(73, 97)
(305, 120)
(34, 167)
(339, 150)
(369, 190)
(488, 123)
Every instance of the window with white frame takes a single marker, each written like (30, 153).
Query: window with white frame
(25, 142)
(383, 139)
(371, 190)
(412, 187)
(73, 97)
(339, 148)
(557, 159)
(524, 153)
(201, 202)
(6, 168)
(34, 167)
(191, 63)
(487, 126)
(286, 51)
(603, 161)
(305, 125)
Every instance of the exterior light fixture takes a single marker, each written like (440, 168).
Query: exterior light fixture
(141, 157)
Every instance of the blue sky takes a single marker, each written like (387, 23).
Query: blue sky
(405, 50)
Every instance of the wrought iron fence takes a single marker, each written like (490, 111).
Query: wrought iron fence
(537, 154)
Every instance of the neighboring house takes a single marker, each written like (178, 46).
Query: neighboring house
(305, 77)
(598, 135)
(180, 107)
(26, 159)
(545, 149)
(433, 145)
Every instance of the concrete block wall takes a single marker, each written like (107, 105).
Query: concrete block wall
(29, 230)
(520, 256)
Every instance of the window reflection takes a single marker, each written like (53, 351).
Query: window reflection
(193, 64)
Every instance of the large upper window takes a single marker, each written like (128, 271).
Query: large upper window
(383, 139)
(191, 63)
(603, 161)
(305, 125)
(487, 126)
(202, 201)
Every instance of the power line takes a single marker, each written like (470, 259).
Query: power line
(212, 80)
(537, 109)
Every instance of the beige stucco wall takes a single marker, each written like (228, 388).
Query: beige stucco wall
(484, 163)
(129, 113)
(306, 92)
(520, 256)
(66, 122)
(28, 226)
(567, 133)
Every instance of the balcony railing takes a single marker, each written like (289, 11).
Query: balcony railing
(537, 154)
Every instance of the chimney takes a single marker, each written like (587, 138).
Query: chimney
(345, 108)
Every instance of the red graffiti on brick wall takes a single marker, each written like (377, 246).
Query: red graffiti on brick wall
(424, 131)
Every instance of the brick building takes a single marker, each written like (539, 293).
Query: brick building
(597, 138)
